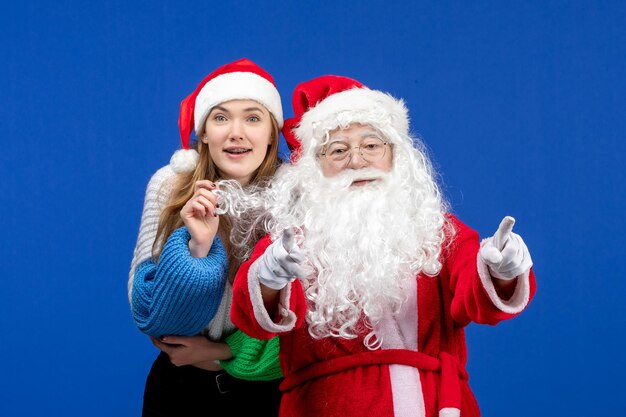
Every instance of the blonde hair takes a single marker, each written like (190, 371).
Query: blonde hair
(183, 190)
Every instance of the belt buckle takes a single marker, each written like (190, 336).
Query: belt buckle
(222, 387)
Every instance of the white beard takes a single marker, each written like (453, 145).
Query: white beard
(362, 244)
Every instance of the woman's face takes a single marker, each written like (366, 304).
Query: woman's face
(238, 133)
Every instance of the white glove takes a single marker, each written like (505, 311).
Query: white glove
(505, 253)
(281, 262)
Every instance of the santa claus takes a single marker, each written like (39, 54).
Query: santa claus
(365, 274)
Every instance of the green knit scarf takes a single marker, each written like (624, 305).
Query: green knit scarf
(253, 359)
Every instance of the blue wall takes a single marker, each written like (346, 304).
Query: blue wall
(521, 104)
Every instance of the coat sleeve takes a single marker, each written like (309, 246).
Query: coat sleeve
(248, 312)
(181, 294)
(474, 297)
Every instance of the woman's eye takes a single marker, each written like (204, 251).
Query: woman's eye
(219, 118)
(253, 119)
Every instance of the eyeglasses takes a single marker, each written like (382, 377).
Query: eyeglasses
(371, 150)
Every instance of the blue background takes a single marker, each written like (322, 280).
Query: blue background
(522, 106)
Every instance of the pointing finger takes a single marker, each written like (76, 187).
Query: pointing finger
(288, 239)
(503, 232)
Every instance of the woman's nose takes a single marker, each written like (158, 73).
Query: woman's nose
(236, 130)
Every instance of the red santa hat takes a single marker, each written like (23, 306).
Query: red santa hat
(239, 80)
(330, 101)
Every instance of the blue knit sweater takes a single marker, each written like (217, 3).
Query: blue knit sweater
(181, 294)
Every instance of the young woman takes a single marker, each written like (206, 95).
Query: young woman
(180, 282)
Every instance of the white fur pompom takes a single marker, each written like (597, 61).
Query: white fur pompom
(184, 160)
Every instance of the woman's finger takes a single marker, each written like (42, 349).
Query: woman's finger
(204, 184)
(199, 208)
(208, 205)
(209, 195)
(176, 340)
(159, 345)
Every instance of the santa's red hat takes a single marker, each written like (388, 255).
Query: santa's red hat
(330, 101)
(239, 80)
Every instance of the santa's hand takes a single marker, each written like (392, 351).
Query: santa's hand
(505, 253)
(281, 262)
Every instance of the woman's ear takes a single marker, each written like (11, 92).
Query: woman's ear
(204, 139)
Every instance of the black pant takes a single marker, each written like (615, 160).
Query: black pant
(188, 391)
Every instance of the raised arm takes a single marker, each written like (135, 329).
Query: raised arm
(478, 295)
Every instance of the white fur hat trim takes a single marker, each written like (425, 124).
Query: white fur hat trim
(357, 105)
(184, 160)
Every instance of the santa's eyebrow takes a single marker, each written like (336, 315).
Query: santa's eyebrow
(369, 134)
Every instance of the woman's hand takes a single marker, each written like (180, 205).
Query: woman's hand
(199, 217)
(193, 350)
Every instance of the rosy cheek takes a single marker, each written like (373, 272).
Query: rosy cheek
(330, 171)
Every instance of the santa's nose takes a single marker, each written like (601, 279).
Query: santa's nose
(355, 160)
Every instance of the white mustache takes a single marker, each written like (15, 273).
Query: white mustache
(349, 176)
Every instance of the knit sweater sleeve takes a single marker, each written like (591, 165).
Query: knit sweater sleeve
(181, 294)
(253, 359)
(156, 198)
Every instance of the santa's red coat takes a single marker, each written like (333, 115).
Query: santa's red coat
(420, 368)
